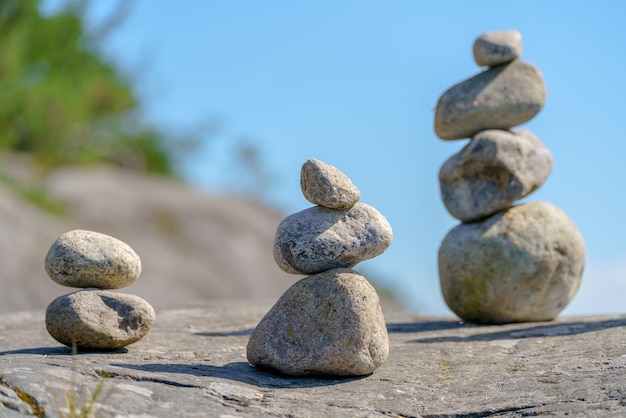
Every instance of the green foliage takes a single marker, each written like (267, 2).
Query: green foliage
(62, 101)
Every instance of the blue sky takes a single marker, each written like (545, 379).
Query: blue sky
(355, 83)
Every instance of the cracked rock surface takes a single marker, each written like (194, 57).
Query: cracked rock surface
(193, 364)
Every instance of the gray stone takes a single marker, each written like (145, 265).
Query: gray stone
(193, 365)
(84, 259)
(490, 173)
(330, 323)
(98, 319)
(325, 185)
(523, 264)
(499, 98)
(318, 239)
(498, 47)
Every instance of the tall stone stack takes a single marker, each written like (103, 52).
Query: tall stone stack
(503, 263)
(94, 318)
(330, 322)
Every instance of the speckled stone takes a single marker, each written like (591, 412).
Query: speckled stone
(326, 324)
(90, 259)
(325, 185)
(523, 264)
(490, 173)
(319, 238)
(498, 47)
(499, 98)
(99, 319)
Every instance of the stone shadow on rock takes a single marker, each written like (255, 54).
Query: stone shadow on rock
(241, 372)
(522, 330)
(225, 334)
(424, 326)
(59, 351)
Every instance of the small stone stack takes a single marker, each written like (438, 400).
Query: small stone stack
(93, 318)
(329, 323)
(504, 263)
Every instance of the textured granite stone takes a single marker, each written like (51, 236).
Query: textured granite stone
(492, 171)
(499, 98)
(498, 47)
(99, 319)
(325, 185)
(84, 259)
(319, 239)
(330, 323)
(523, 264)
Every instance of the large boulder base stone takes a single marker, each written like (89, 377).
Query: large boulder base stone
(330, 323)
(521, 265)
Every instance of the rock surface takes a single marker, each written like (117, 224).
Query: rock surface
(318, 238)
(98, 319)
(490, 173)
(193, 365)
(499, 98)
(84, 259)
(497, 47)
(325, 185)
(523, 264)
(329, 323)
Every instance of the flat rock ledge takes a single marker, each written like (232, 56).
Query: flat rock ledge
(193, 364)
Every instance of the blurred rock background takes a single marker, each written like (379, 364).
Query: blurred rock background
(76, 154)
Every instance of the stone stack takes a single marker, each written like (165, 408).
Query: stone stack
(93, 318)
(330, 322)
(503, 263)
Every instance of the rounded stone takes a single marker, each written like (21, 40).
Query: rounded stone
(523, 264)
(498, 47)
(499, 98)
(326, 324)
(90, 259)
(490, 173)
(325, 185)
(98, 319)
(319, 238)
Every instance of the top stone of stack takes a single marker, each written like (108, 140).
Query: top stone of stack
(495, 48)
(509, 93)
(325, 185)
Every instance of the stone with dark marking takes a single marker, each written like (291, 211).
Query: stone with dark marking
(98, 319)
(497, 47)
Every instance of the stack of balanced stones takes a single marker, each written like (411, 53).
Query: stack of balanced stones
(331, 322)
(93, 318)
(503, 263)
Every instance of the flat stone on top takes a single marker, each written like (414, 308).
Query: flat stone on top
(492, 171)
(85, 259)
(99, 319)
(325, 185)
(498, 47)
(330, 323)
(521, 265)
(499, 98)
(318, 238)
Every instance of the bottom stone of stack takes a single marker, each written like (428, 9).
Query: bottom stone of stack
(93, 319)
(523, 264)
(330, 323)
